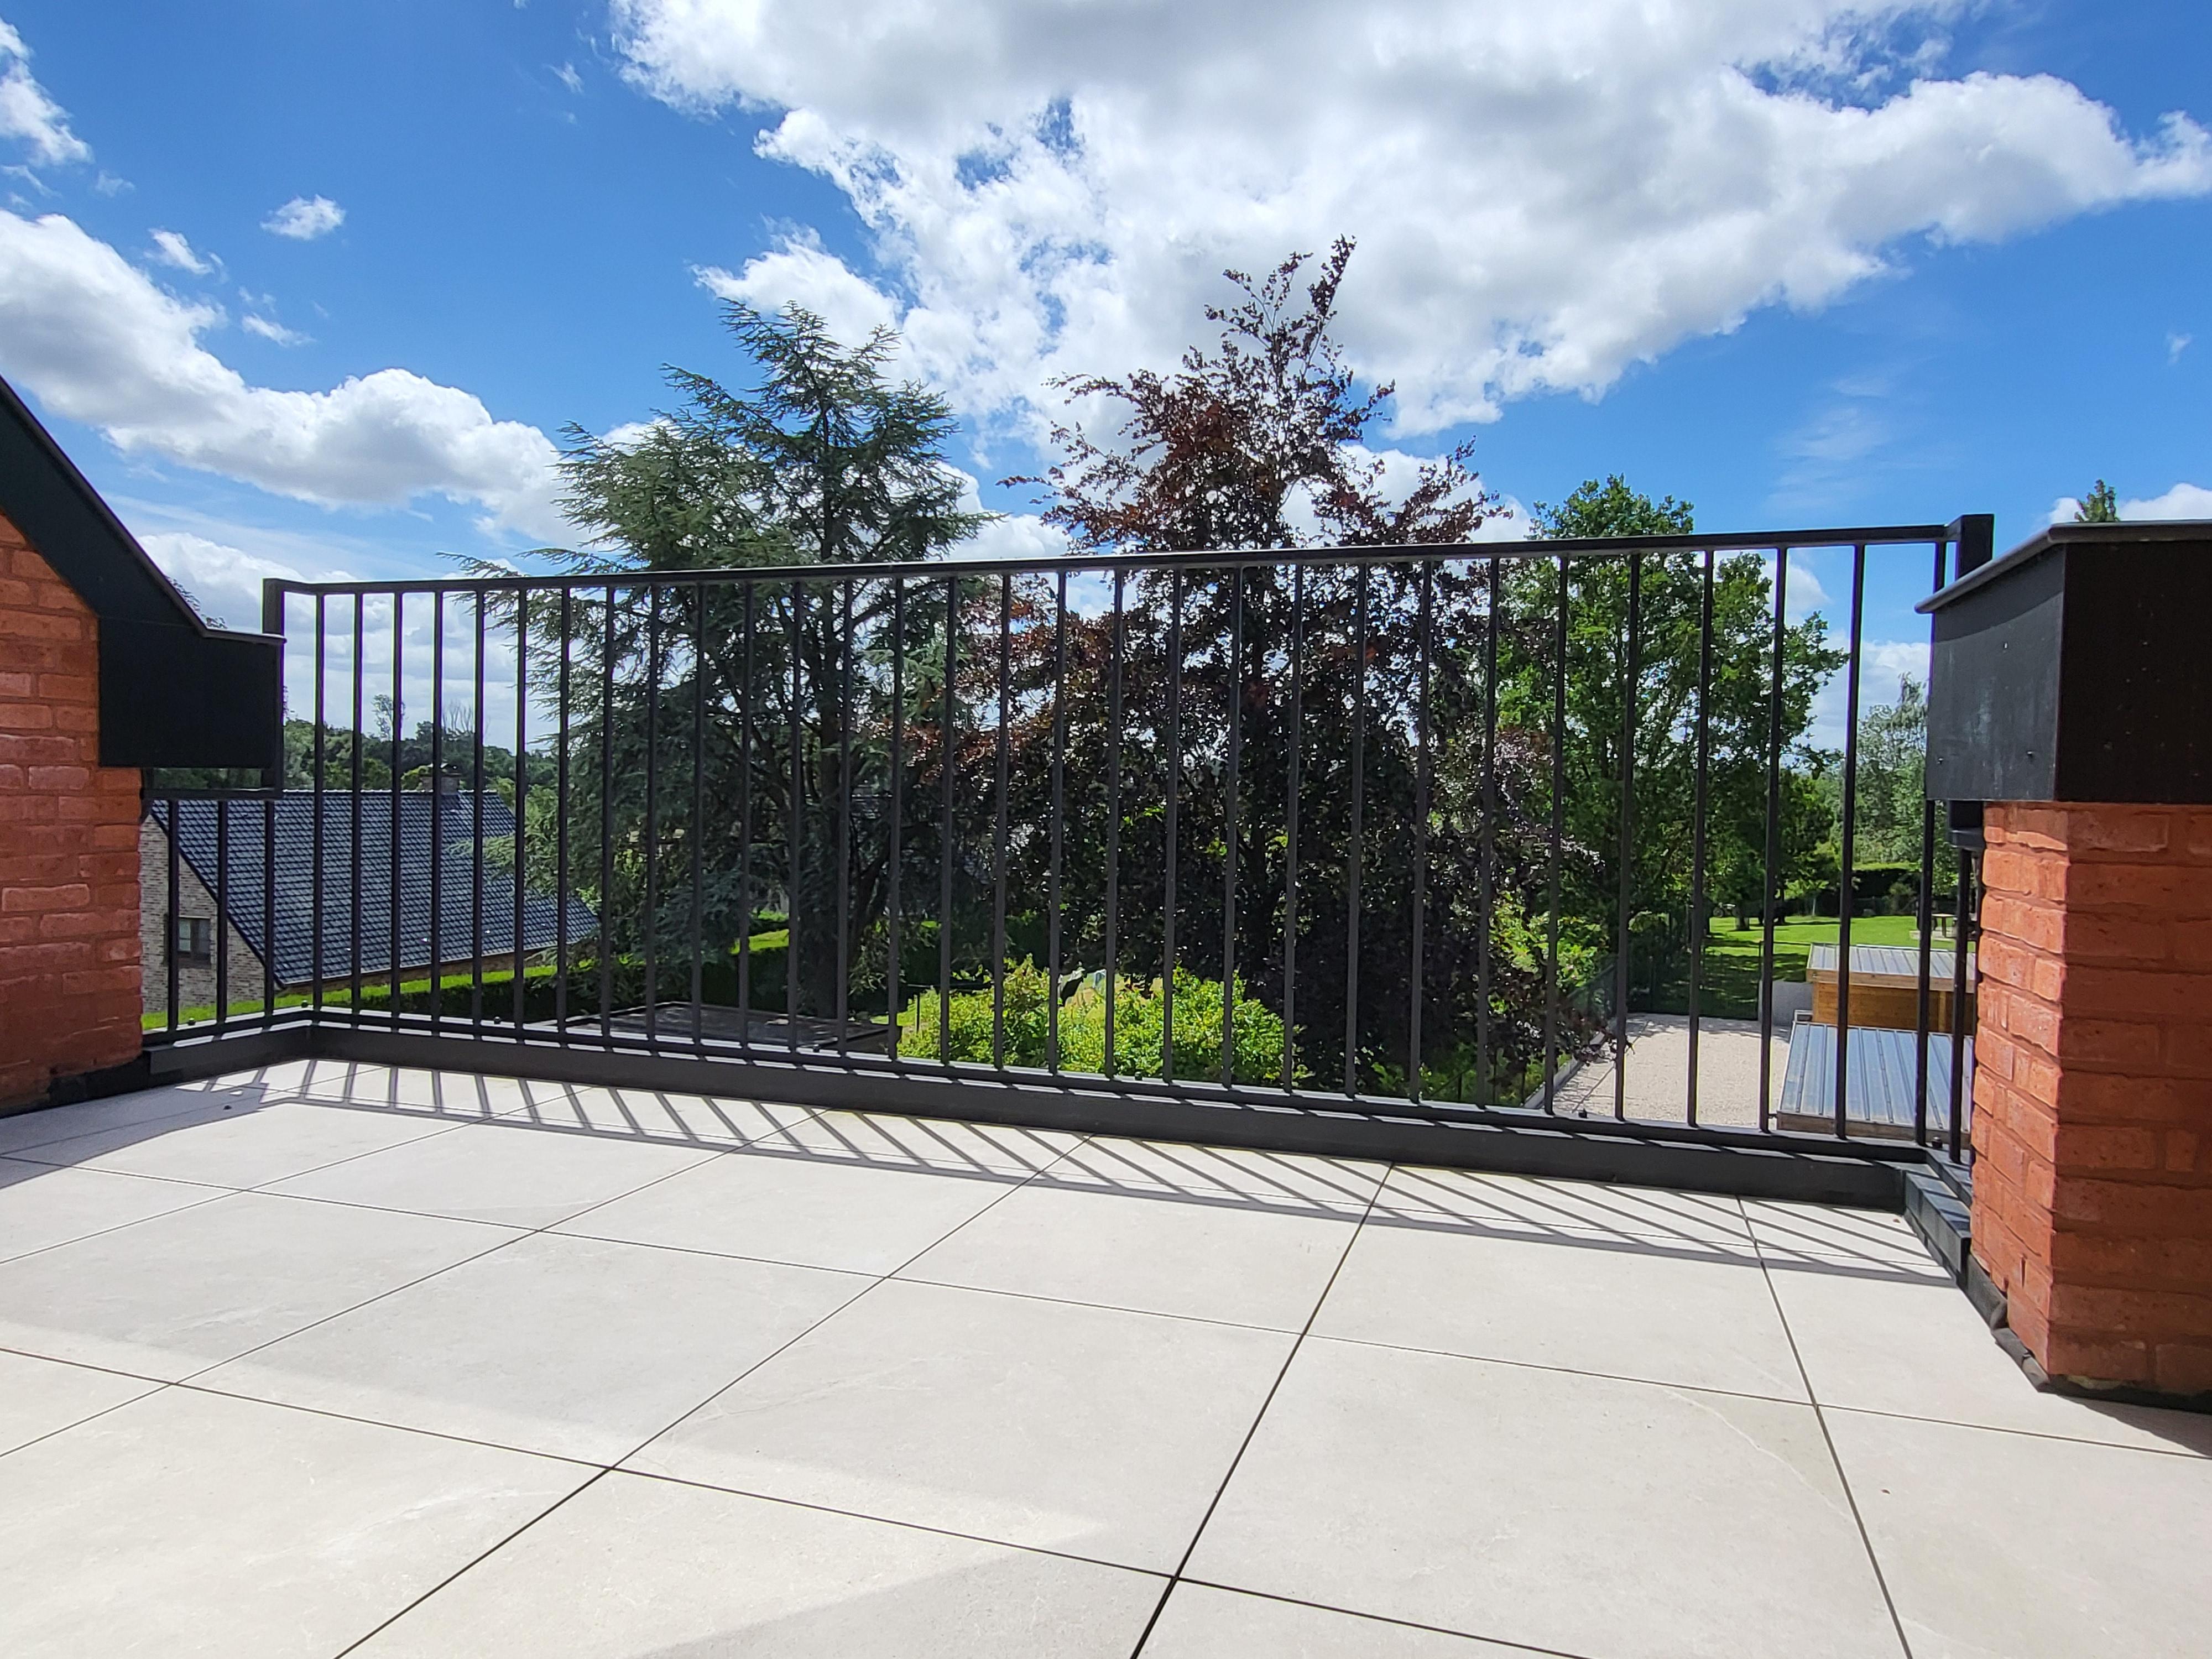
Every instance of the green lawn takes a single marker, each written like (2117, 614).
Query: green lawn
(1727, 982)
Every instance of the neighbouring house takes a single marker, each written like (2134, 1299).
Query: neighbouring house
(453, 880)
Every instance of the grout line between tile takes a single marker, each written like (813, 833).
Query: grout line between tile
(1384, 1619)
(1843, 1477)
(515, 1236)
(1259, 1417)
(485, 1554)
(602, 1471)
(875, 1280)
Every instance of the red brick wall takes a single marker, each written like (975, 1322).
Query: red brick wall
(68, 843)
(2093, 1088)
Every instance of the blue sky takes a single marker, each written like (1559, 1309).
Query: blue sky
(1797, 261)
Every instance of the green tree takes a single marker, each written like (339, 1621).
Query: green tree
(1655, 714)
(690, 759)
(2100, 506)
(1233, 683)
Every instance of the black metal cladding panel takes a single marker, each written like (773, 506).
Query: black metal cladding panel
(46, 498)
(1994, 687)
(543, 917)
(175, 697)
(2135, 713)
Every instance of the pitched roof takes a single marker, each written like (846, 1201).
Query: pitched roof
(172, 690)
(464, 880)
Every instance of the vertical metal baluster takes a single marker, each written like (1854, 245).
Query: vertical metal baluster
(561, 963)
(477, 805)
(1058, 823)
(1557, 838)
(1769, 875)
(393, 851)
(1844, 882)
(651, 941)
(268, 909)
(845, 822)
(437, 800)
(606, 945)
(522, 792)
(1173, 757)
(1631, 685)
(795, 854)
(893, 1006)
(1962, 941)
(174, 824)
(945, 727)
(1231, 828)
(221, 915)
(1924, 913)
(1354, 849)
(1113, 819)
(998, 844)
(315, 876)
(697, 834)
(746, 649)
(1698, 820)
(1414, 1081)
(354, 894)
(1486, 853)
(1294, 747)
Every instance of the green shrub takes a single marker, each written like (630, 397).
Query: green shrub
(1139, 1018)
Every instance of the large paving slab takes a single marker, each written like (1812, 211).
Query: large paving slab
(187, 1524)
(641, 1569)
(492, 1367)
(1575, 1514)
(571, 1347)
(171, 1296)
(1091, 1431)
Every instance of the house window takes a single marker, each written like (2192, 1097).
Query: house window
(194, 940)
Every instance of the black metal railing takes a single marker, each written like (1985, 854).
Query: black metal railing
(1421, 826)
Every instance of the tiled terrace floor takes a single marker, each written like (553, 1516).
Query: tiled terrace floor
(327, 1360)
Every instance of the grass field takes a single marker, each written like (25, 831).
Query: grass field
(1728, 987)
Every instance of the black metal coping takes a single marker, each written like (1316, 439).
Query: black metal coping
(1742, 1165)
(2064, 535)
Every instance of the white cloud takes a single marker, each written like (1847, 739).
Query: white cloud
(1510, 523)
(1016, 536)
(94, 340)
(173, 250)
(271, 330)
(304, 218)
(2176, 344)
(2184, 501)
(223, 582)
(567, 76)
(1883, 664)
(27, 114)
(799, 271)
(1545, 192)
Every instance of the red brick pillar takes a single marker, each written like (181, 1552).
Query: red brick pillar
(2093, 1089)
(68, 845)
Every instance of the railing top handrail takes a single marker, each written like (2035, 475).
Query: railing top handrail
(1767, 541)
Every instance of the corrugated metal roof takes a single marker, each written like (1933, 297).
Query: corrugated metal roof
(1890, 961)
(1884, 1075)
(461, 873)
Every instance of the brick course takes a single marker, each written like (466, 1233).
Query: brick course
(2093, 1089)
(69, 838)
